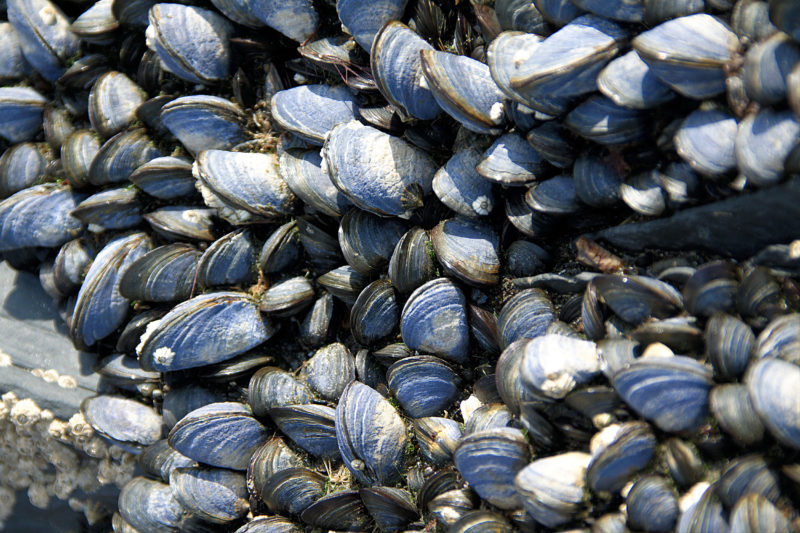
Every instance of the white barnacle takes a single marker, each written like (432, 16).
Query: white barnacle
(59, 430)
(25, 413)
(163, 355)
(149, 330)
(67, 382)
(37, 494)
(5, 359)
(482, 205)
(50, 375)
(79, 427)
(497, 112)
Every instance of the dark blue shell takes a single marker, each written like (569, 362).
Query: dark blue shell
(121, 155)
(371, 435)
(39, 216)
(309, 426)
(304, 173)
(149, 505)
(424, 385)
(100, 308)
(670, 391)
(596, 182)
(165, 274)
(630, 450)
(219, 434)
(296, 19)
(117, 208)
(272, 387)
(228, 261)
(22, 166)
(623, 10)
(330, 369)
(651, 505)
(165, 178)
(510, 160)
(207, 329)
(214, 494)
(600, 120)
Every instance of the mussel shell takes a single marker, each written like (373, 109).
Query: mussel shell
(527, 314)
(311, 111)
(22, 166)
(272, 387)
(179, 222)
(345, 282)
(424, 385)
(288, 297)
(309, 426)
(511, 161)
(731, 406)
(149, 505)
(367, 241)
(113, 101)
(371, 435)
(375, 313)
(123, 420)
(165, 178)
(203, 122)
(651, 505)
(378, 172)
(396, 64)
(553, 364)
(706, 140)
(552, 489)
(363, 21)
(230, 260)
(629, 82)
(629, 449)
(190, 335)
(191, 42)
(117, 208)
(158, 460)
(468, 250)
(489, 460)
(296, 19)
(269, 524)
(413, 261)
(100, 308)
(434, 319)
(437, 438)
(303, 172)
(182, 399)
(121, 155)
(162, 275)
(461, 188)
(339, 510)
(77, 153)
(771, 383)
(392, 508)
(221, 434)
(670, 391)
(729, 343)
(215, 495)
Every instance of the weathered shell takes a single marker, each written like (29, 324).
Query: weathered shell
(100, 308)
(191, 42)
(248, 181)
(729, 343)
(489, 460)
(345, 282)
(706, 140)
(123, 420)
(731, 406)
(288, 297)
(554, 365)
(219, 434)
(149, 505)
(770, 383)
(330, 369)
(22, 166)
(179, 222)
(600, 120)
(207, 329)
(437, 438)
(527, 314)
(296, 19)
(363, 20)
(618, 452)
(342, 510)
(367, 241)
(269, 524)
(651, 505)
(461, 188)
(552, 489)
(511, 161)
(629, 82)
(371, 435)
(434, 319)
(468, 250)
(378, 172)
(763, 142)
(596, 182)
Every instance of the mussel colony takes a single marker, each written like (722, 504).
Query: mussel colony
(427, 265)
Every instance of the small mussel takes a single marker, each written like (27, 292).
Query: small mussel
(424, 385)
(468, 250)
(552, 489)
(164, 274)
(216, 495)
(375, 313)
